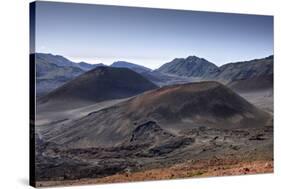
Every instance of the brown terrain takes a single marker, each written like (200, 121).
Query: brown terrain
(188, 130)
(192, 169)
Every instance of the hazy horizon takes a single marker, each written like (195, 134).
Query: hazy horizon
(148, 36)
(109, 63)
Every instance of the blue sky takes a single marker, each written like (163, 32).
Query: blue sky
(149, 37)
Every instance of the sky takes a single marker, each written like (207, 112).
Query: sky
(149, 37)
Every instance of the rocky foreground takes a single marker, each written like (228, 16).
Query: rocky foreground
(198, 152)
(184, 170)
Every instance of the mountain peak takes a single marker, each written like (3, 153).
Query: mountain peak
(101, 83)
(192, 66)
(194, 58)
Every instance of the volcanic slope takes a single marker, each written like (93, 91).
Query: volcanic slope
(253, 84)
(100, 84)
(173, 108)
(257, 90)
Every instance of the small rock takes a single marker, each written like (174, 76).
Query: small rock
(268, 165)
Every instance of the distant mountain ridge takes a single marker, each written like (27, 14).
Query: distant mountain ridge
(193, 66)
(63, 62)
(244, 70)
(52, 71)
(158, 78)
